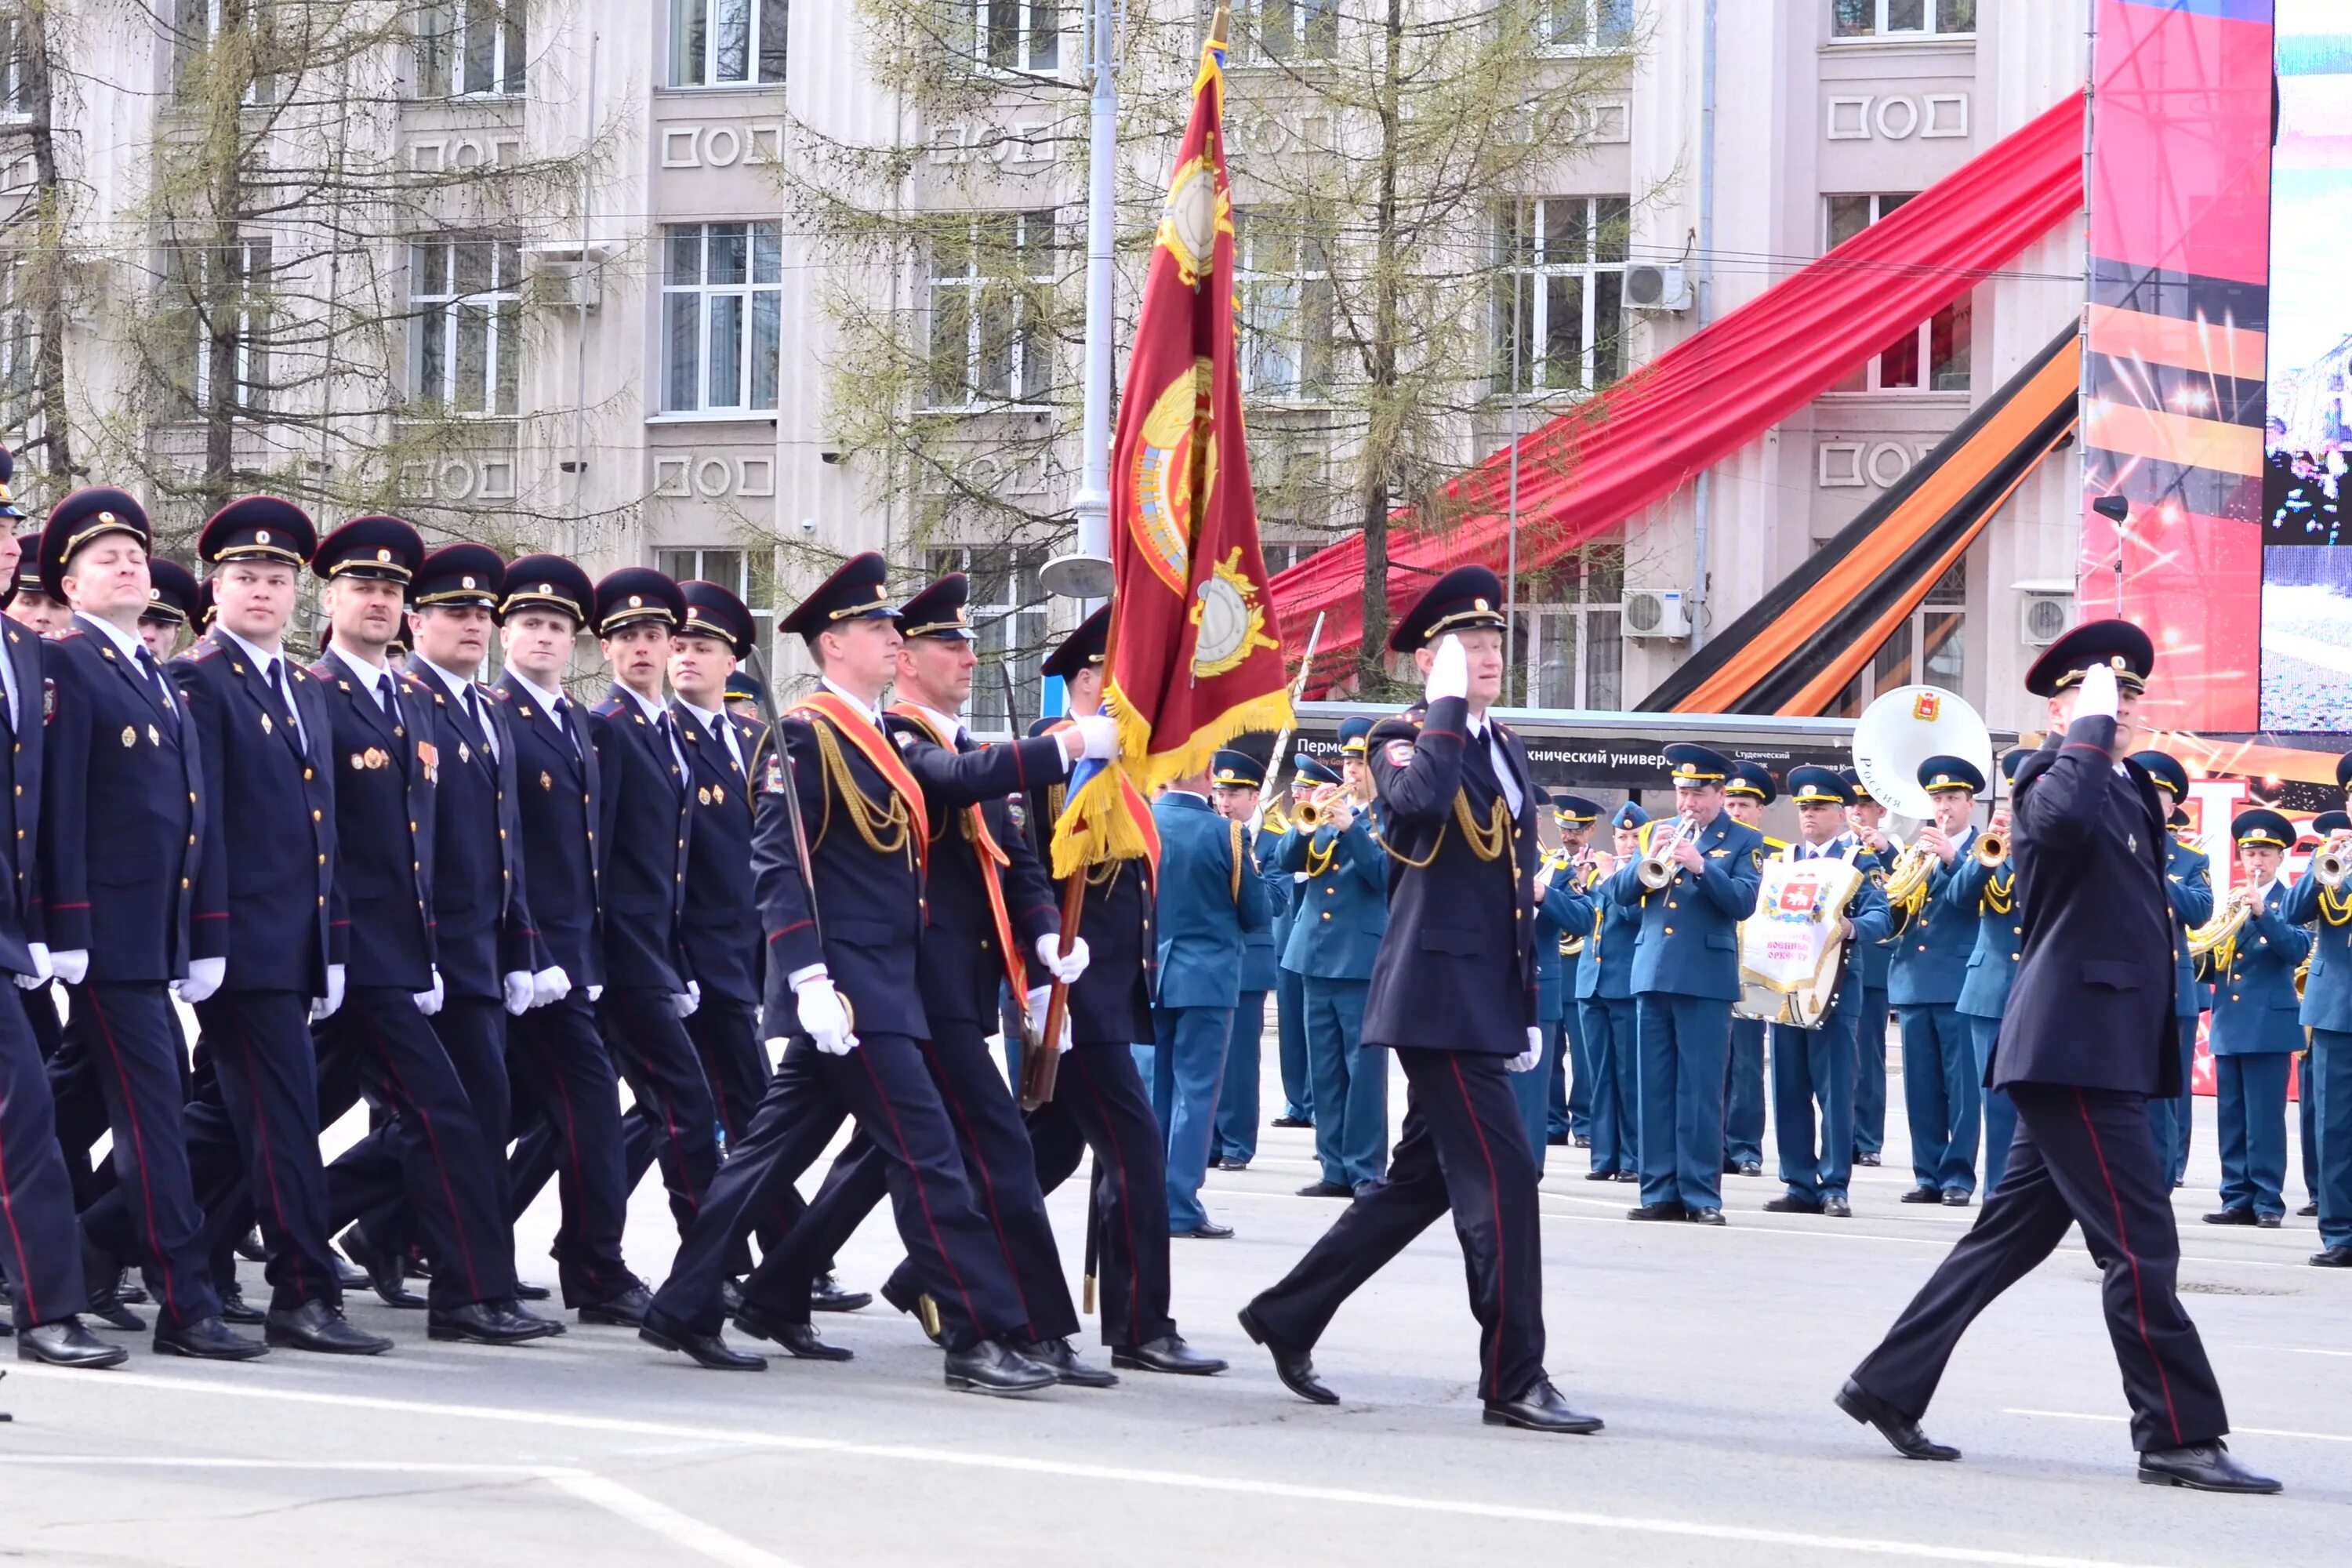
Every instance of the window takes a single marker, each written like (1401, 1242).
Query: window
(725, 43)
(1273, 31)
(466, 300)
(468, 48)
(13, 45)
(1283, 557)
(1287, 308)
(1929, 648)
(992, 278)
(195, 24)
(749, 575)
(1570, 634)
(1009, 609)
(1584, 26)
(20, 348)
(191, 330)
(1560, 315)
(1901, 18)
(722, 316)
(1019, 35)
(1931, 357)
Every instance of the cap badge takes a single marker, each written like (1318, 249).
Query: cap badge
(261, 536)
(546, 588)
(383, 555)
(464, 581)
(636, 601)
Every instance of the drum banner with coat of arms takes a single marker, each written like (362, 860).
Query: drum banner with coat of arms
(1194, 656)
(1790, 948)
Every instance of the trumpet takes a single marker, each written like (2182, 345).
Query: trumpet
(2332, 861)
(1657, 867)
(1992, 848)
(2218, 935)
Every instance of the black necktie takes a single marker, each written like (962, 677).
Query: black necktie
(285, 692)
(482, 721)
(154, 674)
(563, 723)
(383, 695)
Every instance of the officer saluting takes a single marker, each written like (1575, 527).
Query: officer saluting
(1453, 995)
(2087, 1040)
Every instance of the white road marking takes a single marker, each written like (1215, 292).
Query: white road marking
(957, 1458)
(2234, 1431)
(610, 1495)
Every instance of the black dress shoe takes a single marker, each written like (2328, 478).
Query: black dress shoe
(1207, 1230)
(1871, 1160)
(1670, 1209)
(730, 1297)
(2334, 1257)
(1923, 1196)
(1327, 1190)
(1582, 1141)
(1897, 1428)
(1168, 1353)
(236, 1309)
(1600, 1175)
(799, 1340)
(66, 1343)
(827, 1294)
(991, 1366)
(1292, 1121)
(349, 1276)
(1784, 1203)
(1709, 1216)
(2202, 1467)
(527, 1291)
(133, 1293)
(1295, 1367)
(625, 1311)
(1063, 1359)
(1229, 1163)
(2308, 1211)
(2270, 1221)
(1837, 1208)
(1629, 1175)
(1751, 1167)
(1540, 1409)
(547, 1328)
(387, 1272)
(248, 1245)
(483, 1323)
(2231, 1217)
(208, 1339)
(702, 1350)
(316, 1326)
(1955, 1199)
(104, 1278)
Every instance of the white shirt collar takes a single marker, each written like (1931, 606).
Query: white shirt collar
(129, 645)
(651, 707)
(371, 675)
(254, 651)
(947, 724)
(458, 684)
(859, 703)
(548, 699)
(708, 719)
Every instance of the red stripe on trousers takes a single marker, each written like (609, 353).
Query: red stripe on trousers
(2140, 1308)
(440, 1167)
(922, 1196)
(987, 1183)
(269, 1164)
(1126, 1197)
(138, 1146)
(1494, 1197)
(24, 1269)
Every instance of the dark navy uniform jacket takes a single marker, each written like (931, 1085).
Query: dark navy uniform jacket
(123, 812)
(562, 809)
(648, 815)
(2091, 1007)
(721, 931)
(479, 887)
(1210, 896)
(1111, 1003)
(1457, 969)
(267, 897)
(20, 895)
(871, 904)
(1689, 942)
(961, 964)
(384, 766)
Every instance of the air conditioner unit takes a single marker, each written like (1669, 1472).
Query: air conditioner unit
(566, 274)
(1655, 613)
(1656, 288)
(2044, 611)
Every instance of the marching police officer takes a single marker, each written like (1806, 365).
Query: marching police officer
(1604, 1000)
(2326, 1012)
(2088, 1038)
(1813, 1068)
(1750, 788)
(1453, 995)
(2188, 883)
(1236, 781)
(2257, 1027)
(1987, 894)
(1335, 940)
(1942, 1101)
(1865, 819)
(1686, 976)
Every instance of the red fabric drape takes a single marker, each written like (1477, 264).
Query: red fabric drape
(1713, 392)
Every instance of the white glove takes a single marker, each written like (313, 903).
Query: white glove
(325, 1006)
(683, 1002)
(595, 992)
(1525, 1060)
(205, 977)
(823, 1016)
(550, 984)
(42, 971)
(1449, 671)
(516, 984)
(70, 965)
(2096, 697)
(429, 1001)
(1100, 732)
(1039, 1000)
(1063, 966)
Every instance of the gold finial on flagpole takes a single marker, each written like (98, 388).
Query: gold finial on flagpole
(1219, 24)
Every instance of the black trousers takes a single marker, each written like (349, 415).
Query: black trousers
(80, 1108)
(378, 1044)
(473, 1031)
(252, 1131)
(40, 1250)
(882, 1083)
(2081, 1157)
(41, 1014)
(998, 1162)
(568, 1121)
(649, 1046)
(726, 1037)
(1464, 1149)
(134, 1054)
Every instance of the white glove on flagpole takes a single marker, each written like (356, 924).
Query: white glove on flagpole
(824, 1017)
(1100, 734)
(1449, 671)
(1065, 967)
(1039, 1001)
(1525, 1060)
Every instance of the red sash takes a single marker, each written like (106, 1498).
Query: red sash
(992, 861)
(857, 727)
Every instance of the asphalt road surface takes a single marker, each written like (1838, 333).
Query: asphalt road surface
(1712, 1354)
